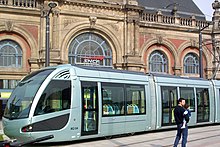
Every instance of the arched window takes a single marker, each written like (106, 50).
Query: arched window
(10, 54)
(191, 64)
(90, 49)
(158, 62)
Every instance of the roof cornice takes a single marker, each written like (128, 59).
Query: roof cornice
(105, 4)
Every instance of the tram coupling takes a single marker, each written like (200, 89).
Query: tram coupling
(30, 142)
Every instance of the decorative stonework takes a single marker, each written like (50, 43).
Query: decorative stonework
(92, 21)
(193, 43)
(159, 39)
(67, 22)
(56, 12)
(9, 26)
(114, 26)
(102, 9)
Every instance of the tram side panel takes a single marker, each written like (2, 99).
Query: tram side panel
(197, 94)
(152, 104)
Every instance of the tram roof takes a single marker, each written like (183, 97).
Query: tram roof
(175, 76)
(178, 80)
(108, 69)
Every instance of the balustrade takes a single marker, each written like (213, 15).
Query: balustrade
(20, 3)
(168, 19)
(190, 22)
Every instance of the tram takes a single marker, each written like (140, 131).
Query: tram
(78, 102)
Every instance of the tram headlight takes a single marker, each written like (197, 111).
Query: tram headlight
(27, 128)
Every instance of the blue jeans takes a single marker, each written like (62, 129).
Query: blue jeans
(184, 133)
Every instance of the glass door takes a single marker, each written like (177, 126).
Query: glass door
(202, 105)
(89, 108)
(169, 102)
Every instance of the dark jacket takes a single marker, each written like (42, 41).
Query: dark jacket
(178, 114)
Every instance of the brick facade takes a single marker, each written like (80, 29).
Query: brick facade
(131, 33)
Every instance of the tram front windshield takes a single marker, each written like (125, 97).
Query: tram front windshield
(21, 99)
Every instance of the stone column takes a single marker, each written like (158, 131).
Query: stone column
(55, 29)
(216, 39)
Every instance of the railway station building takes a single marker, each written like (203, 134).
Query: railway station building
(137, 35)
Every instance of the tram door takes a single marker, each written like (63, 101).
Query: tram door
(203, 110)
(89, 108)
(169, 102)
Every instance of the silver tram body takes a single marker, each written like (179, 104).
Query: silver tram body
(74, 102)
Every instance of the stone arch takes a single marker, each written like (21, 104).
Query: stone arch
(154, 41)
(165, 46)
(97, 29)
(26, 36)
(182, 51)
(162, 49)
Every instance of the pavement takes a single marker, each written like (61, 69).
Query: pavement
(206, 136)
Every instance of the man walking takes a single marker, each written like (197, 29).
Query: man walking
(179, 116)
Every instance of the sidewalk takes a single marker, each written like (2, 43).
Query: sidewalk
(207, 136)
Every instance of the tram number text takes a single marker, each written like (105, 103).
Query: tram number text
(74, 128)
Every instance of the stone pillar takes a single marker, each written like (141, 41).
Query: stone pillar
(54, 45)
(215, 40)
(130, 36)
(55, 29)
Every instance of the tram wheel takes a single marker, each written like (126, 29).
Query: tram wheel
(108, 137)
(131, 134)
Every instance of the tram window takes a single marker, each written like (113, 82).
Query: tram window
(169, 102)
(188, 94)
(112, 99)
(202, 96)
(56, 97)
(135, 98)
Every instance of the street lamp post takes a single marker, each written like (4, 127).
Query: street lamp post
(47, 58)
(201, 50)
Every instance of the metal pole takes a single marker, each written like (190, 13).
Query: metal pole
(200, 54)
(47, 60)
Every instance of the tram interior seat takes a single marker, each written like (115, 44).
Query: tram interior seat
(114, 109)
(132, 109)
(111, 109)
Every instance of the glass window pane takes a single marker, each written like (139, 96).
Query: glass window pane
(56, 97)
(90, 49)
(135, 97)
(19, 103)
(202, 104)
(90, 107)
(158, 62)
(112, 99)
(188, 94)
(10, 54)
(191, 65)
(169, 102)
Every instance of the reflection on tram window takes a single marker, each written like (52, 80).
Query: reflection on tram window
(135, 99)
(90, 107)
(188, 94)
(112, 99)
(169, 102)
(56, 97)
(202, 104)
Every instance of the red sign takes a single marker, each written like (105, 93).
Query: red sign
(94, 58)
